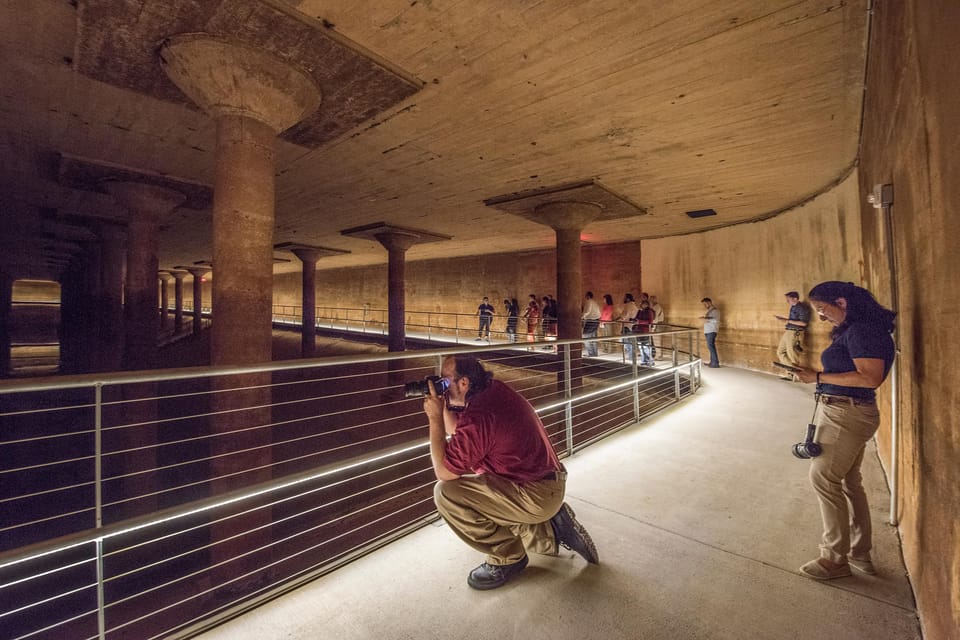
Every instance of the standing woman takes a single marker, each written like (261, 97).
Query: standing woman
(532, 314)
(606, 322)
(512, 308)
(856, 362)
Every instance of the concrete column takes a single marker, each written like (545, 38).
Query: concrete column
(308, 331)
(110, 298)
(147, 204)
(243, 220)
(178, 276)
(253, 95)
(6, 304)
(164, 301)
(568, 220)
(198, 274)
(396, 243)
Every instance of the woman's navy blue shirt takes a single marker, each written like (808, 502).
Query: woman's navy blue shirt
(859, 340)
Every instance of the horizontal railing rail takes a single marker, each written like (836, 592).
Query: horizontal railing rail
(148, 505)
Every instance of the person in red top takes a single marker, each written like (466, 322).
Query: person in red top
(501, 484)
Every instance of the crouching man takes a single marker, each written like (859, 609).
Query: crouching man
(501, 484)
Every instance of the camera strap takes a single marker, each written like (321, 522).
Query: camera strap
(816, 403)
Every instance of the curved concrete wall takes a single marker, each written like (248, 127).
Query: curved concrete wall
(911, 129)
(747, 268)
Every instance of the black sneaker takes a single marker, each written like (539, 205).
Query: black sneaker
(571, 534)
(491, 576)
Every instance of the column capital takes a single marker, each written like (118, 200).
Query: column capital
(570, 206)
(226, 77)
(393, 238)
(308, 253)
(567, 215)
(197, 272)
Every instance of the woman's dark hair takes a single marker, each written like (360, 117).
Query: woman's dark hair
(862, 307)
(608, 298)
(470, 368)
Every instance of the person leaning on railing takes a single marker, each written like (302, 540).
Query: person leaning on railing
(501, 485)
(854, 365)
(627, 314)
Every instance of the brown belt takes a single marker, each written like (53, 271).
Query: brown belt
(857, 402)
(555, 475)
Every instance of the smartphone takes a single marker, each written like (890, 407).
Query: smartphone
(788, 367)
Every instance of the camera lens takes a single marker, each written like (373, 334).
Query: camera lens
(807, 450)
(420, 388)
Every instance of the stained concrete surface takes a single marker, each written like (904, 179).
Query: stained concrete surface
(701, 517)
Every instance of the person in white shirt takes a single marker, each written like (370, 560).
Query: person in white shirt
(591, 323)
(711, 325)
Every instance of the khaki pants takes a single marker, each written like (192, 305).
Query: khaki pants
(787, 350)
(499, 517)
(843, 430)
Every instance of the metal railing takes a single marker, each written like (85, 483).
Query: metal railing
(152, 505)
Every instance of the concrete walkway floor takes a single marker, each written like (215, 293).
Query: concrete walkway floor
(701, 516)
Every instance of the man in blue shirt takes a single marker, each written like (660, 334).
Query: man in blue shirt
(485, 312)
(791, 342)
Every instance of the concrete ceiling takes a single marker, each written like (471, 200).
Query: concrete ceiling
(748, 107)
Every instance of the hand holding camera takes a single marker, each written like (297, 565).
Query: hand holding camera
(419, 388)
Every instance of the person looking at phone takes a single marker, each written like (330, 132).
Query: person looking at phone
(854, 365)
(501, 485)
(790, 347)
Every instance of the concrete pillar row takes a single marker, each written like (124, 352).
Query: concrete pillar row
(147, 204)
(164, 300)
(308, 335)
(178, 277)
(198, 274)
(396, 243)
(253, 95)
(568, 219)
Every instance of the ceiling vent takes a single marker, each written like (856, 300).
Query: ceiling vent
(701, 213)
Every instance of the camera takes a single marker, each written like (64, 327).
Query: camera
(420, 388)
(808, 448)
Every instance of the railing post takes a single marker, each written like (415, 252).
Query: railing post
(568, 394)
(676, 384)
(101, 603)
(636, 377)
(98, 452)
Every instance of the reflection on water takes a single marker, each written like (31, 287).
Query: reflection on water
(34, 360)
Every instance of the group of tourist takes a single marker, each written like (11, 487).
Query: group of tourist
(541, 316)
